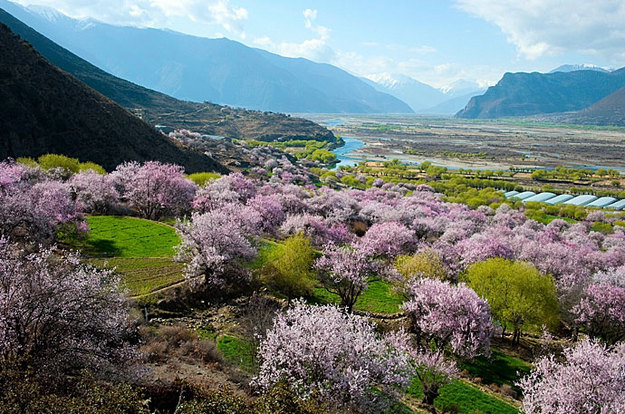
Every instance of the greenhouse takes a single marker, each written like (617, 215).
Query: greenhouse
(619, 205)
(559, 199)
(602, 202)
(510, 194)
(581, 200)
(523, 195)
(540, 198)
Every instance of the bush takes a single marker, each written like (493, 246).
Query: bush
(161, 344)
(202, 178)
(50, 161)
(426, 263)
(84, 166)
(27, 391)
(289, 271)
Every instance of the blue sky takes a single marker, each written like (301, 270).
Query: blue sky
(434, 41)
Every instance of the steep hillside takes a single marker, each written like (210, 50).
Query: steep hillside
(160, 109)
(521, 94)
(216, 70)
(608, 111)
(43, 109)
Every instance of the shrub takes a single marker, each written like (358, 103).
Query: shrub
(86, 166)
(51, 161)
(202, 178)
(29, 391)
(426, 263)
(290, 270)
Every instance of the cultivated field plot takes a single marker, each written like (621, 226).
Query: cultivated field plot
(113, 236)
(142, 275)
(141, 251)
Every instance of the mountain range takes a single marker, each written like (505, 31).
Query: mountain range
(159, 109)
(220, 71)
(45, 110)
(423, 98)
(523, 94)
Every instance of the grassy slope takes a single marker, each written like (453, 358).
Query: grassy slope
(113, 236)
(499, 369)
(238, 351)
(141, 251)
(142, 275)
(460, 397)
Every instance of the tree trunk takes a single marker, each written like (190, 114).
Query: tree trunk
(429, 395)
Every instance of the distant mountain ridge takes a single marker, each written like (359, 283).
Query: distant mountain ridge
(573, 68)
(216, 70)
(424, 98)
(160, 109)
(416, 94)
(523, 94)
(45, 110)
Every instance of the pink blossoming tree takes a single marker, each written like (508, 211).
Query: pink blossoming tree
(590, 378)
(321, 352)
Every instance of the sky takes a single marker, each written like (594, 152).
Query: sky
(434, 41)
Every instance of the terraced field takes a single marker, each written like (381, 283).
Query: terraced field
(141, 251)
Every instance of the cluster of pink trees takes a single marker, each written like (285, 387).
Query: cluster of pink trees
(33, 206)
(393, 223)
(154, 189)
(321, 352)
(59, 313)
(360, 232)
(36, 204)
(589, 379)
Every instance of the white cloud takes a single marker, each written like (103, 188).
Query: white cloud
(309, 15)
(315, 49)
(551, 27)
(153, 13)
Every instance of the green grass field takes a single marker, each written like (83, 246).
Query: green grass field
(460, 397)
(112, 236)
(379, 297)
(140, 250)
